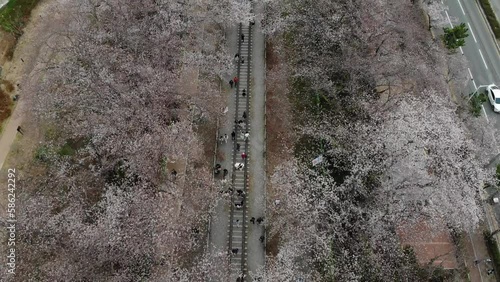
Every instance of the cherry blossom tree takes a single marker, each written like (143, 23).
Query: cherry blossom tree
(113, 105)
(391, 156)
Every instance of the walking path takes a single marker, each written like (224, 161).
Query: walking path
(257, 189)
(9, 133)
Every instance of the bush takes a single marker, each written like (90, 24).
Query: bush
(490, 15)
(491, 244)
(476, 102)
(498, 174)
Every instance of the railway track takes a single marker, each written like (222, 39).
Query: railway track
(238, 226)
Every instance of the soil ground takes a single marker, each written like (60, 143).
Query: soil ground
(279, 125)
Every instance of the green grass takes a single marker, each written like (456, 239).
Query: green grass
(14, 15)
(490, 15)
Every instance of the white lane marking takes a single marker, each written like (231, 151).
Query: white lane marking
(461, 7)
(474, 84)
(461, 50)
(481, 53)
(485, 115)
(470, 73)
(470, 28)
(448, 18)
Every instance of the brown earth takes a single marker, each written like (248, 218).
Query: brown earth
(279, 127)
(429, 246)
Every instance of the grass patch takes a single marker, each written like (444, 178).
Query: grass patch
(475, 104)
(491, 244)
(5, 106)
(72, 145)
(42, 154)
(15, 14)
(490, 15)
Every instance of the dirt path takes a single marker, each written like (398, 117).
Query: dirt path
(34, 48)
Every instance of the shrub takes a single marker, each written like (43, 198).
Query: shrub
(455, 37)
(491, 17)
(491, 244)
(475, 104)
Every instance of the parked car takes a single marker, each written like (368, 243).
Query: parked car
(493, 93)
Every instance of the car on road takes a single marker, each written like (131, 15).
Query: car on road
(493, 93)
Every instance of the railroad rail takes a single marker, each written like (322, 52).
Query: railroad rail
(237, 246)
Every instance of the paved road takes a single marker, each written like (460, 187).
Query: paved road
(481, 50)
(480, 47)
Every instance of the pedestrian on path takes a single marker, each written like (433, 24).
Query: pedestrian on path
(20, 130)
(261, 239)
(221, 138)
(236, 80)
(233, 135)
(242, 60)
(237, 223)
(225, 138)
(244, 115)
(241, 278)
(242, 37)
(237, 56)
(234, 251)
(238, 146)
(243, 155)
(247, 135)
(260, 220)
(231, 83)
(252, 220)
(226, 172)
(244, 93)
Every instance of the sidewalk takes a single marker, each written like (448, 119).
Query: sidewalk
(218, 240)
(475, 249)
(256, 249)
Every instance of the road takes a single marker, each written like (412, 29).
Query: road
(480, 48)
